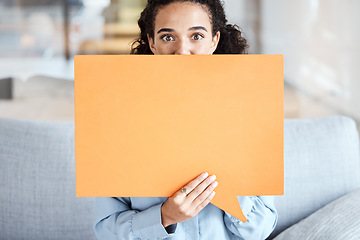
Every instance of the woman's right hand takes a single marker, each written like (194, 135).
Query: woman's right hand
(183, 206)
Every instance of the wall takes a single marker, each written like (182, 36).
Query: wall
(319, 40)
(245, 13)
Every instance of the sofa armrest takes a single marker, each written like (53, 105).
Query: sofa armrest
(339, 219)
(321, 161)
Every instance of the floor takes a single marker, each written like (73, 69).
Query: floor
(50, 99)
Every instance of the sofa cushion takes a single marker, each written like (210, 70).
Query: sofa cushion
(321, 161)
(37, 176)
(338, 220)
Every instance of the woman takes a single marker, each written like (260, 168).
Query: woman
(185, 27)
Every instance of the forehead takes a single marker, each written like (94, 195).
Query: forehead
(182, 15)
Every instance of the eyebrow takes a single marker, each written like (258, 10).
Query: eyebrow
(165, 30)
(198, 28)
(190, 29)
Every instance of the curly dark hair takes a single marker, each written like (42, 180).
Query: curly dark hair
(231, 39)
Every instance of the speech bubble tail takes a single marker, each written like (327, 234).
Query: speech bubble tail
(230, 205)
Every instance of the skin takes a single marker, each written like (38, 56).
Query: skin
(185, 28)
(181, 207)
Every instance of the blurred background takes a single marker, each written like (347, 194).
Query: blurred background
(39, 38)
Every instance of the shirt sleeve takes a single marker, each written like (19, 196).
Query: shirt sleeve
(116, 220)
(261, 217)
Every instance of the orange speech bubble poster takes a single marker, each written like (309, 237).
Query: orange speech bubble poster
(147, 125)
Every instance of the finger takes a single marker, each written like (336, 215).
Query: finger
(204, 195)
(205, 202)
(192, 184)
(200, 188)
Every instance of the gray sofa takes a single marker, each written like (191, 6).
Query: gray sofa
(37, 174)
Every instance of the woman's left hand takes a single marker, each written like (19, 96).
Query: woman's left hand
(184, 205)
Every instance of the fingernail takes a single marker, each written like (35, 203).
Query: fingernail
(215, 183)
(213, 177)
(205, 174)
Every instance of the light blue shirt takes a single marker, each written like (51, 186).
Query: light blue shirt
(140, 218)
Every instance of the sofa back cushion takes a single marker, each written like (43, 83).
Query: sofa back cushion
(321, 160)
(37, 175)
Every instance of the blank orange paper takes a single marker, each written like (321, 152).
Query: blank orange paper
(147, 125)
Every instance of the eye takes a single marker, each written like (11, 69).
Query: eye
(167, 38)
(197, 36)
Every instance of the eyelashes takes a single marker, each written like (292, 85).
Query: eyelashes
(197, 36)
(169, 37)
